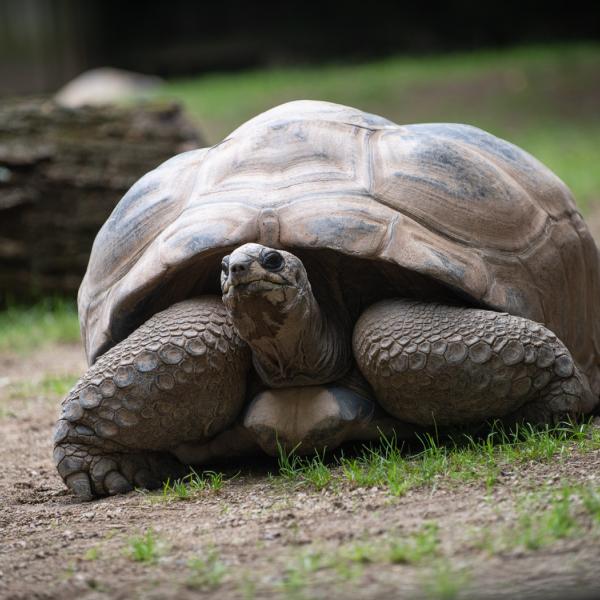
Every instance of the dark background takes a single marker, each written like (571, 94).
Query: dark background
(44, 43)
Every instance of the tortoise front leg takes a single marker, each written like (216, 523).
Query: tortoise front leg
(180, 377)
(435, 364)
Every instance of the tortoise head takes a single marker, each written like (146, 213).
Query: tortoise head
(271, 303)
(262, 289)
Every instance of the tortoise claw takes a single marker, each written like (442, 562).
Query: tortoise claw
(80, 484)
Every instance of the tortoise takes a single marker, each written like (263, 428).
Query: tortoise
(323, 275)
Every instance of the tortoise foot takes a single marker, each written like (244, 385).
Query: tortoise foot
(309, 418)
(89, 473)
(562, 399)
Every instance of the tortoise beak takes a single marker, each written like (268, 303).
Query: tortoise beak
(243, 272)
(240, 271)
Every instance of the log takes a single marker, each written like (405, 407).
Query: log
(62, 171)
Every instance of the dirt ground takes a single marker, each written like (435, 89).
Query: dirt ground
(263, 532)
(53, 547)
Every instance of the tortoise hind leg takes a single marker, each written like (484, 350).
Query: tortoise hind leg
(309, 418)
(319, 417)
(180, 377)
(434, 364)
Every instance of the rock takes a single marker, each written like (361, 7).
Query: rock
(62, 171)
(105, 85)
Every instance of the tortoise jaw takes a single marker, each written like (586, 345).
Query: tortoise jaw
(254, 286)
(255, 298)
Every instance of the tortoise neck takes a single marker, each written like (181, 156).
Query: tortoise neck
(300, 342)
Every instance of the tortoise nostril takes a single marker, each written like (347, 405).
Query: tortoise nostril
(238, 268)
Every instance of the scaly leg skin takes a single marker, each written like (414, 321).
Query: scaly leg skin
(432, 364)
(179, 378)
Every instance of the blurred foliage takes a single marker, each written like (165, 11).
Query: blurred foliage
(545, 99)
(25, 328)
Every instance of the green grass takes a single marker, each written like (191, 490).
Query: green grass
(436, 553)
(92, 554)
(310, 470)
(297, 573)
(546, 517)
(543, 517)
(590, 498)
(188, 487)
(49, 386)
(454, 460)
(348, 562)
(144, 548)
(543, 98)
(537, 519)
(359, 552)
(247, 586)
(420, 546)
(535, 529)
(24, 329)
(444, 582)
(208, 572)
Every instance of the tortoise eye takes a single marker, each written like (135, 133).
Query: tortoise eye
(225, 265)
(273, 261)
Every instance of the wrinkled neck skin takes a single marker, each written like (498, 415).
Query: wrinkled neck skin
(294, 340)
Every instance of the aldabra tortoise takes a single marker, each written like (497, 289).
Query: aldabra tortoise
(371, 276)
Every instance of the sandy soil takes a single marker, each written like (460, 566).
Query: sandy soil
(53, 547)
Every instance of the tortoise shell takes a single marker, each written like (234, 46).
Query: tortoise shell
(447, 201)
